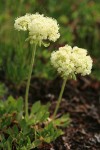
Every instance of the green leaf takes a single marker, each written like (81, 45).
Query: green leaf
(63, 121)
(45, 44)
(24, 127)
(23, 148)
(8, 145)
(29, 141)
(39, 113)
(19, 104)
(36, 107)
(42, 115)
(50, 133)
(73, 76)
(36, 143)
(15, 130)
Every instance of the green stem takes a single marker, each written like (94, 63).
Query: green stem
(60, 98)
(28, 81)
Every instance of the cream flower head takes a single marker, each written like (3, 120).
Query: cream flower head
(39, 27)
(71, 61)
(22, 22)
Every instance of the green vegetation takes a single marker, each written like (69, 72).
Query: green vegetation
(19, 133)
(23, 127)
(3, 90)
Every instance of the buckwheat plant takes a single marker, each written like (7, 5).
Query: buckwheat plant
(69, 62)
(40, 30)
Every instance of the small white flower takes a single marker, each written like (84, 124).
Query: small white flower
(79, 51)
(21, 23)
(69, 61)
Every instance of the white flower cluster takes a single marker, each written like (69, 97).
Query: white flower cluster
(40, 28)
(70, 61)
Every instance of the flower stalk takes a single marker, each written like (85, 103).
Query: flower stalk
(29, 79)
(60, 97)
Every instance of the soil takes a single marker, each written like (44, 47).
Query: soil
(81, 99)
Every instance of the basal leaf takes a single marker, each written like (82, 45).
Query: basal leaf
(36, 107)
(62, 121)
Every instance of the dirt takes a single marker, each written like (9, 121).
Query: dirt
(81, 99)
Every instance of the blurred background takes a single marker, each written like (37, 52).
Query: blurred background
(79, 25)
